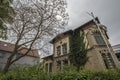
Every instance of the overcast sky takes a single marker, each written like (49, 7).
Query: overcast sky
(108, 12)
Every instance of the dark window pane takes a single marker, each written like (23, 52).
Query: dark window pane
(99, 39)
(50, 67)
(64, 48)
(58, 50)
(65, 62)
(105, 60)
(111, 59)
(59, 65)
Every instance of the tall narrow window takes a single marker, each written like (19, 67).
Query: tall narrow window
(58, 50)
(59, 65)
(118, 56)
(46, 67)
(64, 48)
(105, 60)
(111, 59)
(99, 39)
(50, 67)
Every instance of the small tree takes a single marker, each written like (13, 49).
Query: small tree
(78, 51)
(34, 23)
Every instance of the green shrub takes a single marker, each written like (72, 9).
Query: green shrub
(33, 73)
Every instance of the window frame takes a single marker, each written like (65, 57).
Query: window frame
(58, 50)
(50, 67)
(64, 48)
(59, 65)
(98, 38)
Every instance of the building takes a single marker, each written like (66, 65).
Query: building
(6, 50)
(98, 53)
(116, 49)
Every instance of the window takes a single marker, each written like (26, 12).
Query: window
(50, 67)
(99, 39)
(64, 48)
(111, 59)
(58, 50)
(65, 62)
(46, 67)
(105, 60)
(59, 65)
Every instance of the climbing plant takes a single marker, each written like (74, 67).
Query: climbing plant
(78, 51)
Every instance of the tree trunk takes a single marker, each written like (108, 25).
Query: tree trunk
(7, 65)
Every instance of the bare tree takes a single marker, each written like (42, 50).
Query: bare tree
(34, 22)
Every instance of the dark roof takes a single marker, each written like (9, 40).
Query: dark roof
(8, 47)
(64, 33)
(70, 31)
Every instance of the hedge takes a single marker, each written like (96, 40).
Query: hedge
(33, 73)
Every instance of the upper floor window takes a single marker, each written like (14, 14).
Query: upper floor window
(99, 39)
(64, 48)
(58, 50)
(46, 67)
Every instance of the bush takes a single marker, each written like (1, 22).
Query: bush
(33, 73)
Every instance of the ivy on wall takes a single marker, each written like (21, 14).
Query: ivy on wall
(78, 52)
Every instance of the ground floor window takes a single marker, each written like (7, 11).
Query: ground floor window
(65, 62)
(59, 65)
(105, 60)
(108, 61)
(46, 67)
(50, 67)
